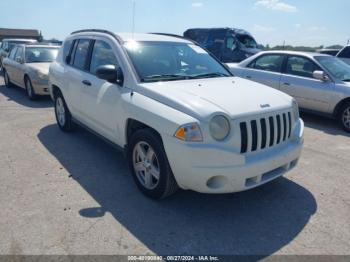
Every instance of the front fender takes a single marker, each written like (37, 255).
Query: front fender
(164, 119)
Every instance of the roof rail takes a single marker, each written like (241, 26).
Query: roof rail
(99, 31)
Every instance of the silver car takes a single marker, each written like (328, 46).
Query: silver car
(27, 66)
(320, 83)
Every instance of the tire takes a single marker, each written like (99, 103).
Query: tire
(29, 89)
(63, 116)
(152, 174)
(8, 83)
(344, 117)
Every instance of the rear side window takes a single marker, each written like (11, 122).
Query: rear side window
(345, 53)
(66, 50)
(102, 54)
(300, 66)
(81, 53)
(272, 63)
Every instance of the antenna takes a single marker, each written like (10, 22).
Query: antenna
(133, 17)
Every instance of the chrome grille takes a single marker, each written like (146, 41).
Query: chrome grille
(265, 132)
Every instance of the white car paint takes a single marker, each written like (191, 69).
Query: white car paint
(165, 106)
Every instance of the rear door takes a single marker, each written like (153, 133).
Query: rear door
(76, 72)
(10, 63)
(297, 80)
(100, 98)
(265, 69)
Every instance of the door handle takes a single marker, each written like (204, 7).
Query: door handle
(86, 82)
(248, 77)
(286, 84)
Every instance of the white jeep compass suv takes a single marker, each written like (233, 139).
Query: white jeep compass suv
(181, 117)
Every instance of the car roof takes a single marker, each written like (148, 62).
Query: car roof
(151, 37)
(125, 37)
(286, 52)
(19, 40)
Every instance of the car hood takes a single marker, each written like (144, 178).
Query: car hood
(41, 67)
(202, 98)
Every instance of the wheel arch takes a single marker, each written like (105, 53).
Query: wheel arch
(339, 106)
(133, 125)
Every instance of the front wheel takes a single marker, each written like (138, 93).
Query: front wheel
(29, 89)
(344, 117)
(63, 116)
(8, 83)
(149, 165)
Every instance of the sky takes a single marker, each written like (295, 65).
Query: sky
(297, 22)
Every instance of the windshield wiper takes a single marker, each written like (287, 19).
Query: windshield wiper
(209, 75)
(346, 80)
(167, 77)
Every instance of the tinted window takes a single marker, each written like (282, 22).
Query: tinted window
(272, 63)
(301, 66)
(40, 54)
(66, 49)
(345, 53)
(19, 53)
(102, 54)
(247, 41)
(81, 53)
(12, 53)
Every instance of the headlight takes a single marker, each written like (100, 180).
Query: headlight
(295, 110)
(219, 127)
(189, 132)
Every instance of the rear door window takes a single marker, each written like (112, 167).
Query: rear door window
(272, 63)
(345, 53)
(81, 54)
(301, 66)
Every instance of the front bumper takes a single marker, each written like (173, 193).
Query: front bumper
(211, 169)
(41, 88)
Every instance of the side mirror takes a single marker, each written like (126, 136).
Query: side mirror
(7, 50)
(19, 60)
(111, 74)
(320, 75)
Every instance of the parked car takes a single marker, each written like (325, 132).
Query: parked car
(328, 51)
(8, 44)
(181, 117)
(229, 45)
(344, 54)
(28, 66)
(319, 83)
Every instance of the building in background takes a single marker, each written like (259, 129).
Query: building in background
(20, 33)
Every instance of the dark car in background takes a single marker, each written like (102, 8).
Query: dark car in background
(229, 45)
(8, 44)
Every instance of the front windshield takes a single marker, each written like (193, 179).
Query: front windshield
(167, 61)
(336, 67)
(41, 54)
(247, 41)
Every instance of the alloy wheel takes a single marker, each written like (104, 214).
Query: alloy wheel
(146, 165)
(346, 117)
(60, 111)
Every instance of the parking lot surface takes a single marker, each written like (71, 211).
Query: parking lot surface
(73, 194)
